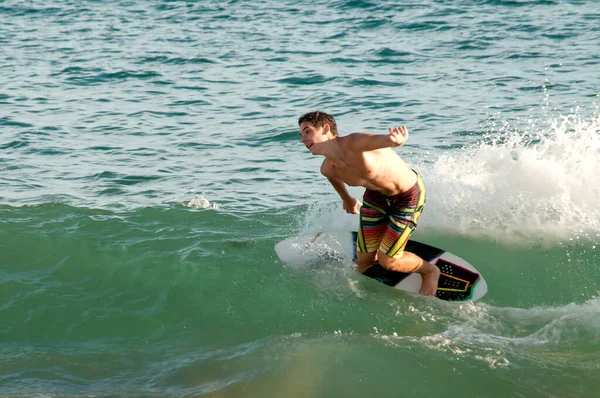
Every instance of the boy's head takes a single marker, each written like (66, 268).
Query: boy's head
(319, 119)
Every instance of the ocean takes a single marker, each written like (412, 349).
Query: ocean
(150, 161)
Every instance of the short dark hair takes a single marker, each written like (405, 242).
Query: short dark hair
(319, 119)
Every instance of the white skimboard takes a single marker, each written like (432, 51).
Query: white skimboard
(459, 280)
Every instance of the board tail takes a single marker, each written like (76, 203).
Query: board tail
(456, 283)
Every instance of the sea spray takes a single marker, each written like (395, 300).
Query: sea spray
(521, 183)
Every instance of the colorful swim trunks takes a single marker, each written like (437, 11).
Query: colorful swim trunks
(386, 222)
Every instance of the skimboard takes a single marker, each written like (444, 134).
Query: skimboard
(459, 280)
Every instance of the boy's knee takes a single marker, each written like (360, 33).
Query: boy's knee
(386, 261)
(364, 260)
(401, 262)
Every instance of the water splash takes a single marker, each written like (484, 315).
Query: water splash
(530, 181)
(528, 331)
(329, 217)
(200, 202)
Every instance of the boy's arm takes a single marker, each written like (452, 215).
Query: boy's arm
(351, 205)
(341, 189)
(369, 142)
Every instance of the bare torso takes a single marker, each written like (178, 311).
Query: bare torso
(380, 170)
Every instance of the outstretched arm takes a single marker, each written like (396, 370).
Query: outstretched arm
(369, 142)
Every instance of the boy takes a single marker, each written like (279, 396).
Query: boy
(394, 196)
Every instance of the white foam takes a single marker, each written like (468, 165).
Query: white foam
(538, 326)
(329, 217)
(496, 336)
(200, 202)
(535, 181)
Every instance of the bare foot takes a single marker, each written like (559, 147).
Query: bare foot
(430, 276)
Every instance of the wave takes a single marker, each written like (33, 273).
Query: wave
(539, 181)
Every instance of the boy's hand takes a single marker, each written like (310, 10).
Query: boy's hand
(352, 206)
(398, 135)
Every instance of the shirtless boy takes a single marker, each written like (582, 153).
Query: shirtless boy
(394, 196)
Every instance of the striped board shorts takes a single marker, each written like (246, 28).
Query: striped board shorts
(386, 222)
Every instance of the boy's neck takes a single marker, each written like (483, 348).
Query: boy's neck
(330, 149)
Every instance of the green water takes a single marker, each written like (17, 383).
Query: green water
(148, 303)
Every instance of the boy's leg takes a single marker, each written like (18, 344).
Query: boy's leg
(373, 223)
(410, 262)
(364, 260)
(402, 222)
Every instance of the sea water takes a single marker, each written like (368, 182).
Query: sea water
(150, 160)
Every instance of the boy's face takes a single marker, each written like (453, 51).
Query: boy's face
(311, 135)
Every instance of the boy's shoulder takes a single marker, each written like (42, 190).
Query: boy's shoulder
(351, 140)
(357, 135)
(326, 168)
(360, 142)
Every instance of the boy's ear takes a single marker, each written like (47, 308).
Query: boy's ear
(326, 128)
